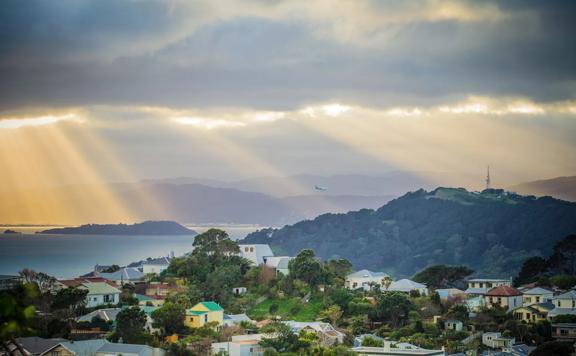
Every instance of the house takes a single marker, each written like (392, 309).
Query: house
(113, 349)
(536, 295)
(326, 333)
(80, 348)
(407, 286)
(256, 252)
(203, 313)
(8, 282)
(108, 314)
(157, 290)
(453, 325)
(240, 345)
(364, 279)
(475, 303)
(37, 346)
(359, 340)
(564, 332)
(239, 290)
(100, 293)
(396, 349)
(124, 275)
(533, 313)
(278, 263)
(504, 296)
(495, 340)
(565, 300)
(481, 286)
(144, 300)
(236, 319)
(76, 282)
(450, 294)
(156, 265)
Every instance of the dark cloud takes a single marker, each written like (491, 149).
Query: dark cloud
(76, 53)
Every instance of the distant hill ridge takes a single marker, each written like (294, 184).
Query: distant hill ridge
(144, 228)
(561, 188)
(493, 232)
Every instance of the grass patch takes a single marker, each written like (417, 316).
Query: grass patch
(288, 309)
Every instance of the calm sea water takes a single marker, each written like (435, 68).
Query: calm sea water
(66, 256)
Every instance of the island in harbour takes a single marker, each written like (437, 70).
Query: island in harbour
(8, 231)
(144, 228)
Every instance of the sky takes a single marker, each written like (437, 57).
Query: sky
(95, 91)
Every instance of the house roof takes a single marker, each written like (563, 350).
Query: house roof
(405, 285)
(122, 348)
(162, 261)
(488, 280)
(561, 311)
(211, 306)
(237, 318)
(108, 314)
(78, 281)
(84, 347)
(537, 291)
(568, 295)
(195, 312)
(503, 291)
(38, 345)
(99, 288)
(126, 274)
(364, 273)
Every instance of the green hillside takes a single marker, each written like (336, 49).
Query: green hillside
(493, 232)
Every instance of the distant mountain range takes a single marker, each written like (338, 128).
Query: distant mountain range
(182, 202)
(493, 232)
(561, 188)
(144, 228)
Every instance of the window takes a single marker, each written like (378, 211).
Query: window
(499, 300)
(573, 304)
(251, 249)
(537, 299)
(245, 249)
(205, 318)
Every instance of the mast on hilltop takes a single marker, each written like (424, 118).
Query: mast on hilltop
(488, 178)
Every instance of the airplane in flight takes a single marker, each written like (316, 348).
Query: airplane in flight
(322, 189)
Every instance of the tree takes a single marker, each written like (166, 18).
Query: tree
(332, 313)
(130, 324)
(556, 348)
(563, 281)
(45, 282)
(386, 282)
(169, 318)
(306, 267)
(392, 308)
(281, 339)
(337, 271)
(71, 299)
(531, 270)
(16, 315)
(216, 243)
(111, 269)
(443, 276)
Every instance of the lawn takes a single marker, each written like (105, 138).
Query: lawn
(289, 309)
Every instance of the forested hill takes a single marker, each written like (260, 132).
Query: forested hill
(493, 232)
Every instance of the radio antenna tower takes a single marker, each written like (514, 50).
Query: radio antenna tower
(488, 178)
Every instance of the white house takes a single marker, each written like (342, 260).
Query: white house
(495, 340)
(481, 286)
(255, 253)
(124, 275)
(279, 263)
(396, 349)
(364, 278)
(536, 296)
(236, 319)
(113, 349)
(156, 265)
(100, 293)
(326, 333)
(453, 325)
(504, 296)
(240, 345)
(406, 286)
(565, 304)
(239, 290)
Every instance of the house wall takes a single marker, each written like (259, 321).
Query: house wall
(360, 282)
(94, 300)
(59, 351)
(565, 303)
(524, 314)
(157, 269)
(530, 299)
(509, 303)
